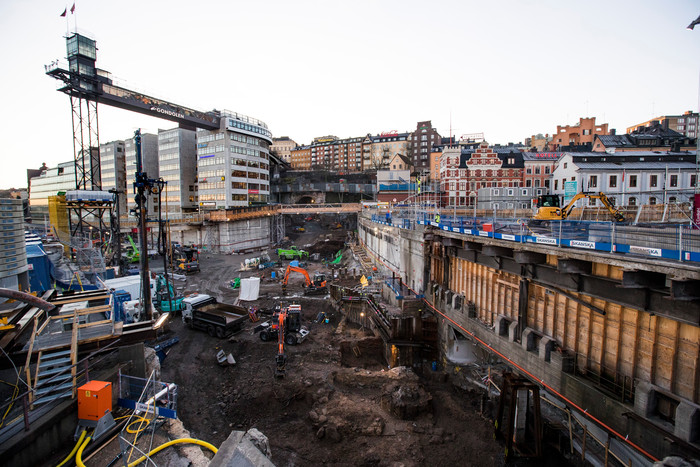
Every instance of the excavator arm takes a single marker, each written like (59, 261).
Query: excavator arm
(290, 269)
(566, 210)
(281, 359)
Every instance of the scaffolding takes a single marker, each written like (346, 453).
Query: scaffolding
(88, 257)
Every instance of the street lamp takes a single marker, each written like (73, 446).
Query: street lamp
(696, 197)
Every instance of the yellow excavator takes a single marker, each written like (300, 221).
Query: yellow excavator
(548, 206)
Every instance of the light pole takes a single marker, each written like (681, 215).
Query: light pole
(696, 197)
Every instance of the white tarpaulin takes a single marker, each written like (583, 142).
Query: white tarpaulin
(250, 289)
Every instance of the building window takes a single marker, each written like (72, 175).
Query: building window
(653, 182)
(613, 181)
(556, 185)
(593, 181)
(528, 170)
(673, 180)
(566, 164)
(652, 200)
(693, 180)
(633, 201)
(672, 200)
(528, 182)
(546, 170)
(633, 181)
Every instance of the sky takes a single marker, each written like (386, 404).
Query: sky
(308, 68)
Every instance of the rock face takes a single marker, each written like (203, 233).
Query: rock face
(406, 400)
(244, 449)
(259, 440)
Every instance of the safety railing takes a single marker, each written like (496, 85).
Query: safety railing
(678, 242)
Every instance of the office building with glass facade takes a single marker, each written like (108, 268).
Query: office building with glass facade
(177, 165)
(149, 160)
(49, 183)
(233, 163)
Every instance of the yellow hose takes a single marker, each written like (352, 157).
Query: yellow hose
(138, 419)
(79, 455)
(75, 448)
(168, 444)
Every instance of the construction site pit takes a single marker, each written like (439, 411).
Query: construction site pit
(338, 403)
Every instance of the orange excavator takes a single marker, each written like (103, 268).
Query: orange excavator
(286, 326)
(317, 286)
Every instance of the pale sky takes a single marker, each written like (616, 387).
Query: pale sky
(509, 69)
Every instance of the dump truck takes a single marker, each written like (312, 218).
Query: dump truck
(292, 253)
(202, 311)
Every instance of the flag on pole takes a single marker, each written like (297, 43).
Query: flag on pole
(64, 12)
(72, 9)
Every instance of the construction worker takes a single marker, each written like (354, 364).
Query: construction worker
(437, 218)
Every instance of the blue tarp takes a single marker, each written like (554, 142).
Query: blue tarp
(39, 268)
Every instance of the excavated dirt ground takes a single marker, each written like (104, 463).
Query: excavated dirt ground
(327, 410)
(331, 408)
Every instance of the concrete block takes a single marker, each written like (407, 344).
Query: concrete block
(687, 421)
(502, 324)
(239, 450)
(545, 348)
(513, 331)
(644, 399)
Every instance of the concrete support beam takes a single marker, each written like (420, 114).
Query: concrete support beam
(474, 246)
(513, 331)
(469, 255)
(574, 266)
(643, 279)
(547, 344)
(644, 399)
(685, 290)
(529, 257)
(451, 242)
(687, 421)
(493, 250)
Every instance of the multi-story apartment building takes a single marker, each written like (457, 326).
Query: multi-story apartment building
(49, 183)
(380, 149)
(113, 167)
(538, 142)
(149, 161)
(283, 146)
(422, 141)
(628, 178)
(338, 155)
(177, 165)
(581, 134)
(464, 171)
(300, 158)
(686, 124)
(538, 168)
(233, 163)
(654, 137)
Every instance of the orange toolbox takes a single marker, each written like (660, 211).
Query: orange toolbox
(94, 400)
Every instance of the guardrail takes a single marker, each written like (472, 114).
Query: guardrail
(669, 241)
